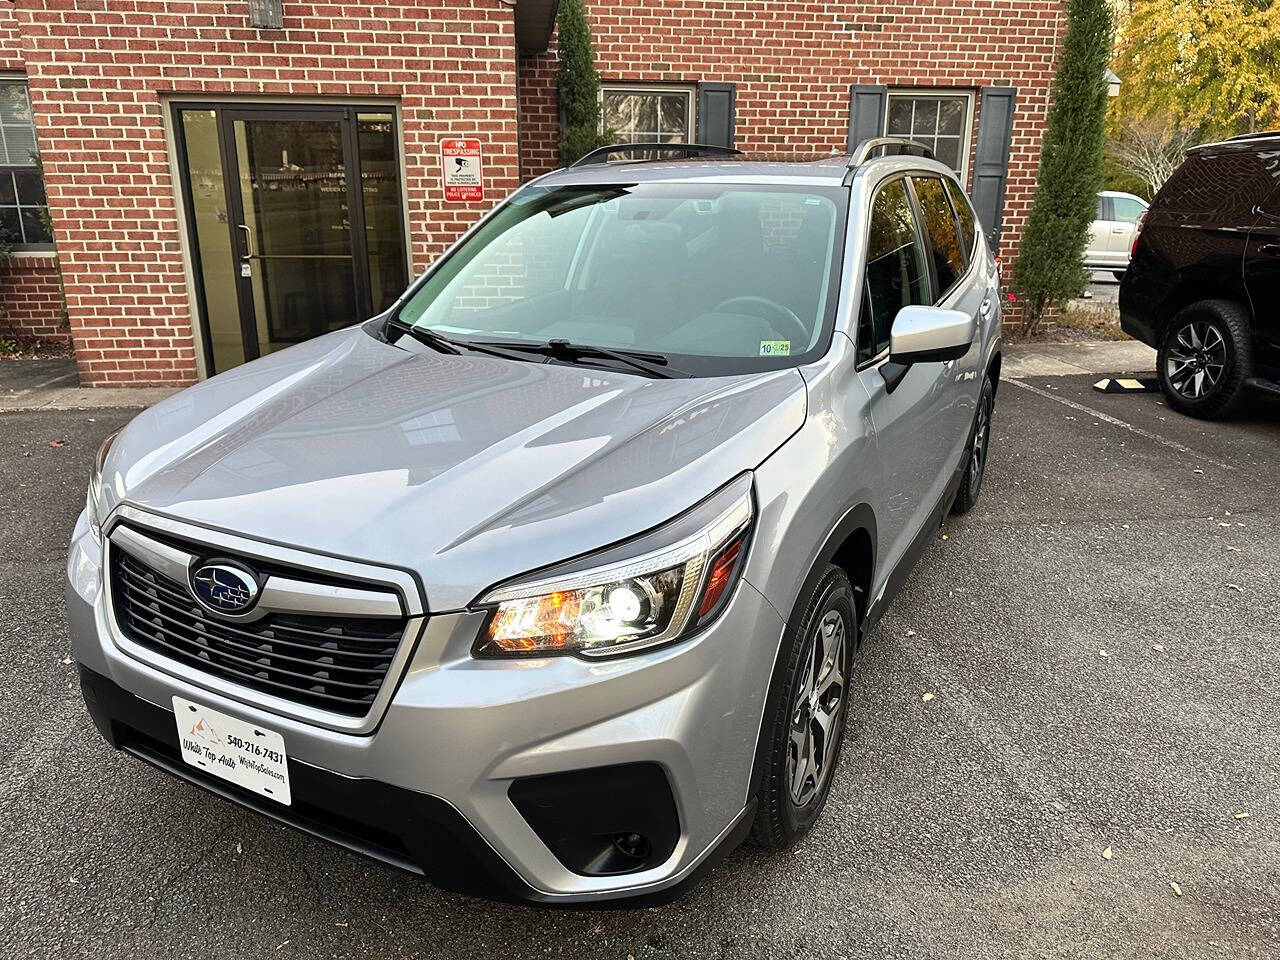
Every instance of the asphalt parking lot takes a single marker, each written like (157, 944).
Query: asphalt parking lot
(1099, 638)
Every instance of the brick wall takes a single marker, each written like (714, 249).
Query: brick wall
(30, 298)
(793, 64)
(10, 41)
(99, 70)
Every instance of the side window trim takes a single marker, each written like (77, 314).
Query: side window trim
(923, 238)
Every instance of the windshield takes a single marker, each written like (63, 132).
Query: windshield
(717, 278)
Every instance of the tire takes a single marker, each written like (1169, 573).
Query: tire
(1118, 274)
(976, 452)
(785, 811)
(1205, 357)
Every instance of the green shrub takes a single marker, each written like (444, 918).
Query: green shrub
(579, 84)
(1049, 269)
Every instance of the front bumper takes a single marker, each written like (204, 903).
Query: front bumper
(435, 776)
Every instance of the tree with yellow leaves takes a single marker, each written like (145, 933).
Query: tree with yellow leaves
(1209, 66)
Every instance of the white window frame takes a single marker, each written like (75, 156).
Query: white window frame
(939, 93)
(689, 92)
(17, 247)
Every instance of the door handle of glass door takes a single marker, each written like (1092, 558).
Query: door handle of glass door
(248, 241)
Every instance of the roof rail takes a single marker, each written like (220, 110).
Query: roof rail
(904, 148)
(686, 151)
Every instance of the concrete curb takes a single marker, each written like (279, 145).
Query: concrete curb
(1070, 359)
(84, 398)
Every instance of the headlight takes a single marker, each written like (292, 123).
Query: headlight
(95, 488)
(630, 597)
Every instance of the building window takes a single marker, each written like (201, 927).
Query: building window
(647, 114)
(24, 219)
(943, 122)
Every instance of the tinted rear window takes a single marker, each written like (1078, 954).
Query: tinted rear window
(964, 213)
(1220, 187)
(944, 232)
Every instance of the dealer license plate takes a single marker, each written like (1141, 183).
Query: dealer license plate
(245, 754)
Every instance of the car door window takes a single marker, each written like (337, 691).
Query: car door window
(896, 275)
(1127, 210)
(942, 231)
(964, 214)
(1102, 213)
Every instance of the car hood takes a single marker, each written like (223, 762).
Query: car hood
(466, 470)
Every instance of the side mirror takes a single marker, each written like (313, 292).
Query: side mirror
(926, 335)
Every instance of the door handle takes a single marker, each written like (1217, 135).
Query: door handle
(248, 241)
(986, 307)
(1270, 249)
(1117, 229)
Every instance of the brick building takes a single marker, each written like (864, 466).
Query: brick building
(226, 177)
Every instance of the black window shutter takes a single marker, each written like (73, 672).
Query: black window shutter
(991, 163)
(715, 113)
(867, 107)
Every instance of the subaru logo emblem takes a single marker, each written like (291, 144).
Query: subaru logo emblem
(224, 588)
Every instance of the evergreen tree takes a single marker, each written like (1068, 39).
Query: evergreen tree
(1050, 269)
(579, 84)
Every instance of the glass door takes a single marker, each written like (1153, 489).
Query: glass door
(296, 256)
(295, 215)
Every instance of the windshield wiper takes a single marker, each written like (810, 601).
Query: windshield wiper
(439, 341)
(654, 364)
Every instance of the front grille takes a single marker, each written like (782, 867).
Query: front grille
(330, 663)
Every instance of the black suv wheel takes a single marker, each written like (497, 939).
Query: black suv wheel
(1205, 356)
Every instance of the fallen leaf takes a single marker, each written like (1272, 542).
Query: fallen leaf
(57, 443)
(1103, 653)
(1177, 890)
(239, 849)
(911, 633)
(1158, 646)
(283, 945)
(1197, 470)
(340, 923)
(927, 697)
(1234, 549)
(1106, 854)
(943, 536)
(66, 661)
(72, 880)
(1236, 587)
(1242, 815)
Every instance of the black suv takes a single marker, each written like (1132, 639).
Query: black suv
(1203, 286)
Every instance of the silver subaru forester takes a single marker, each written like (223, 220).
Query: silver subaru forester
(550, 582)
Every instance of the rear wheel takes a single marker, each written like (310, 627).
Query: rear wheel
(806, 723)
(1205, 357)
(979, 444)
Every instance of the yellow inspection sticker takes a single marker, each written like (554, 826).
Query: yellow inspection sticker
(775, 348)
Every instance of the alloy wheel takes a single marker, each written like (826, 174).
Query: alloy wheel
(978, 455)
(818, 710)
(1197, 359)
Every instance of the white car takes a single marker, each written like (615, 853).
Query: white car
(1111, 237)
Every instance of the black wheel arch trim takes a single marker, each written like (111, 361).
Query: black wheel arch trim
(858, 517)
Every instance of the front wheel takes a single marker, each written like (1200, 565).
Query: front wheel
(1205, 357)
(976, 453)
(805, 725)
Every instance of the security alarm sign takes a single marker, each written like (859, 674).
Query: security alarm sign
(463, 176)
